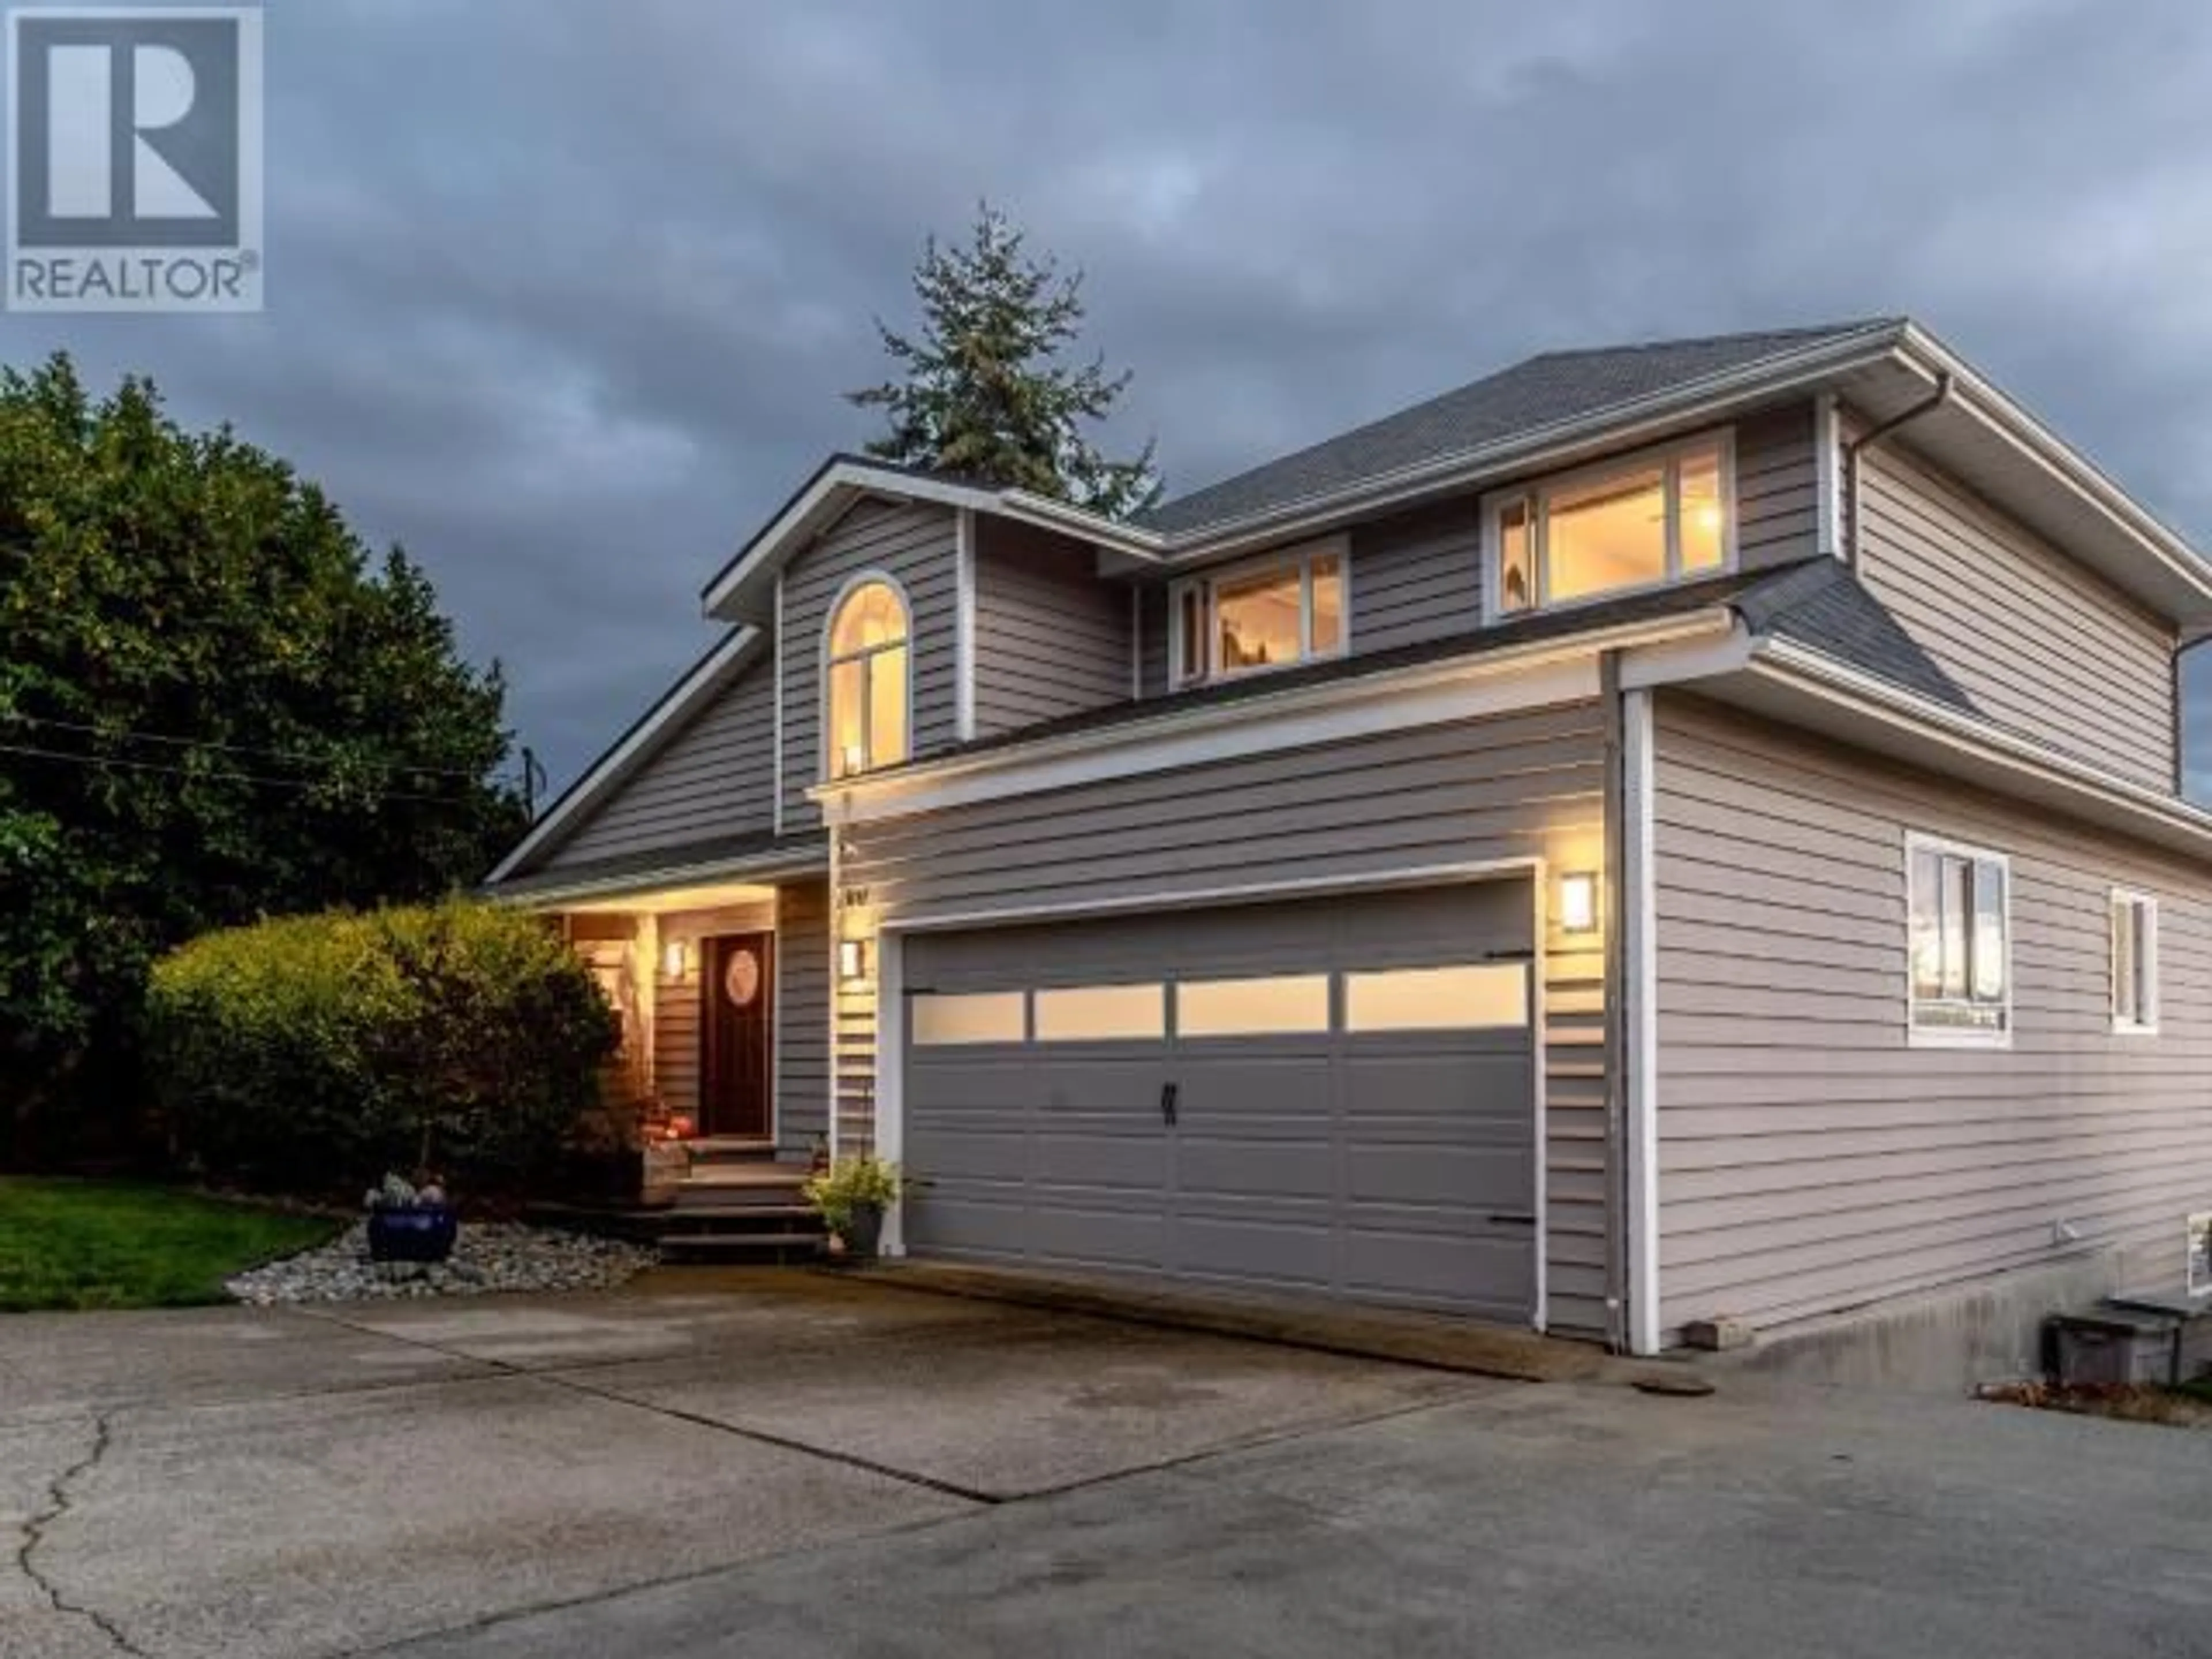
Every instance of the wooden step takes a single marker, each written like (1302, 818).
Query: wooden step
(779, 1246)
(746, 1175)
(716, 1148)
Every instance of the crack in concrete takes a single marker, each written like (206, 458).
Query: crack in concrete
(58, 1501)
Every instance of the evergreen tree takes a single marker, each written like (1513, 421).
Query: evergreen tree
(985, 393)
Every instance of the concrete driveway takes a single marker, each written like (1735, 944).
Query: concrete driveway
(789, 1464)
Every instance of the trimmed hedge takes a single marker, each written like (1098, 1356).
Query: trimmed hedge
(313, 1054)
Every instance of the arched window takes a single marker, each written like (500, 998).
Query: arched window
(867, 670)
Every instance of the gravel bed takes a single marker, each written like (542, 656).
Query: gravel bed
(487, 1256)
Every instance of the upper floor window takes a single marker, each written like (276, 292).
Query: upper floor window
(1287, 608)
(1655, 518)
(867, 670)
(1960, 942)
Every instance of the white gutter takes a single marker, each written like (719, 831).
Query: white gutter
(1174, 720)
(780, 861)
(1887, 704)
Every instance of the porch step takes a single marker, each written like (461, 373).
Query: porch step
(731, 1149)
(750, 1246)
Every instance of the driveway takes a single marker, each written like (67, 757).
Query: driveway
(786, 1463)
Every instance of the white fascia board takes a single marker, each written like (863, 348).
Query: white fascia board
(2010, 420)
(1334, 711)
(781, 861)
(708, 676)
(2100, 795)
(844, 482)
(1541, 448)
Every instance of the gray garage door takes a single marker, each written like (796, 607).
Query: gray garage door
(1334, 1095)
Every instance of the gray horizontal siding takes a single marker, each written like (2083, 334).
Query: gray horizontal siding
(1777, 489)
(802, 1016)
(2039, 641)
(1810, 1159)
(1515, 785)
(1151, 640)
(1417, 576)
(1051, 637)
(916, 545)
(715, 777)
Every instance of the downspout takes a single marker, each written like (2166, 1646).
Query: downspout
(1874, 435)
(1616, 1008)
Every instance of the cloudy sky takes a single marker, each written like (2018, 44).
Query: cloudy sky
(562, 294)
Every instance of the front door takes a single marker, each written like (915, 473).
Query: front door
(736, 1035)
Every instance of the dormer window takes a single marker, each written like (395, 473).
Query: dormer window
(866, 677)
(1663, 516)
(1272, 612)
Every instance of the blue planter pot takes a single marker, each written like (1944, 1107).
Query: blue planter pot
(413, 1232)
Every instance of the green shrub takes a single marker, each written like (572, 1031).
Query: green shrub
(315, 1052)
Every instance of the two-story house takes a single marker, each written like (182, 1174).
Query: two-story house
(1661, 833)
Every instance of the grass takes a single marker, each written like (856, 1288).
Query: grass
(78, 1244)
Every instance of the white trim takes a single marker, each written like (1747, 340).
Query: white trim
(825, 661)
(891, 1028)
(763, 866)
(1561, 441)
(1640, 946)
(832, 933)
(705, 676)
(1499, 681)
(1540, 886)
(1942, 1036)
(1884, 701)
(775, 1019)
(2148, 938)
(842, 481)
(1538, 491)
(1300, 557)
(1827, 464)
(777, 736)
(963, 566)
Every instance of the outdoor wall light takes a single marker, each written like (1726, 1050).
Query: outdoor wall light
(1578, 903)
(852, 958)
(675, 960)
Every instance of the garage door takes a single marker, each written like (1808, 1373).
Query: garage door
(1334, 1095)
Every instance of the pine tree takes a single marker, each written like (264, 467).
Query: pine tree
(984, 393)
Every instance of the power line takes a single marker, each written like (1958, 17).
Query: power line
(206, 777)
(290, 757)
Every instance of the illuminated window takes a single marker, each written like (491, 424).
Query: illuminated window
(2135, 963)
(1100, 1013)
(975, 1017)
(1961, 945)
(1282, 1005)
(1472, 996)
(1651, 519)
(868, 665)
(1286, 608)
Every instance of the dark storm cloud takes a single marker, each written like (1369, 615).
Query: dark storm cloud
(562, 294)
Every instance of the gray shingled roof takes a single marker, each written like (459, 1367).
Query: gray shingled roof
(1821, 605)
(1557, 385)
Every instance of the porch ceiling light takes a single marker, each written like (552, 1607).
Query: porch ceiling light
(1578, 903)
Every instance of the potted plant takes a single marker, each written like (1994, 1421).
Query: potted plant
(407, 1222)
(851, 1195)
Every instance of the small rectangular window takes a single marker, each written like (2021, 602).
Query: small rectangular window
(972, 1017)
(1102, 1013)
(1959, 941)
(1635, 523)
(2135, 963)
(1281, 1005)
(1474, 996)
(1266, 613)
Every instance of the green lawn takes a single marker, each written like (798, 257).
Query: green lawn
(119, 1244)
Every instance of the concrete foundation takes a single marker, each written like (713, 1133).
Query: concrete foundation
(1942, 1341)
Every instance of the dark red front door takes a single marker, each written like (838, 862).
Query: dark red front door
(738, 986)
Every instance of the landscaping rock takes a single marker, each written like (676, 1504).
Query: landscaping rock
(490, 1257)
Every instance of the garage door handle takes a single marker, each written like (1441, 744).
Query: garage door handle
(1169, 1092)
